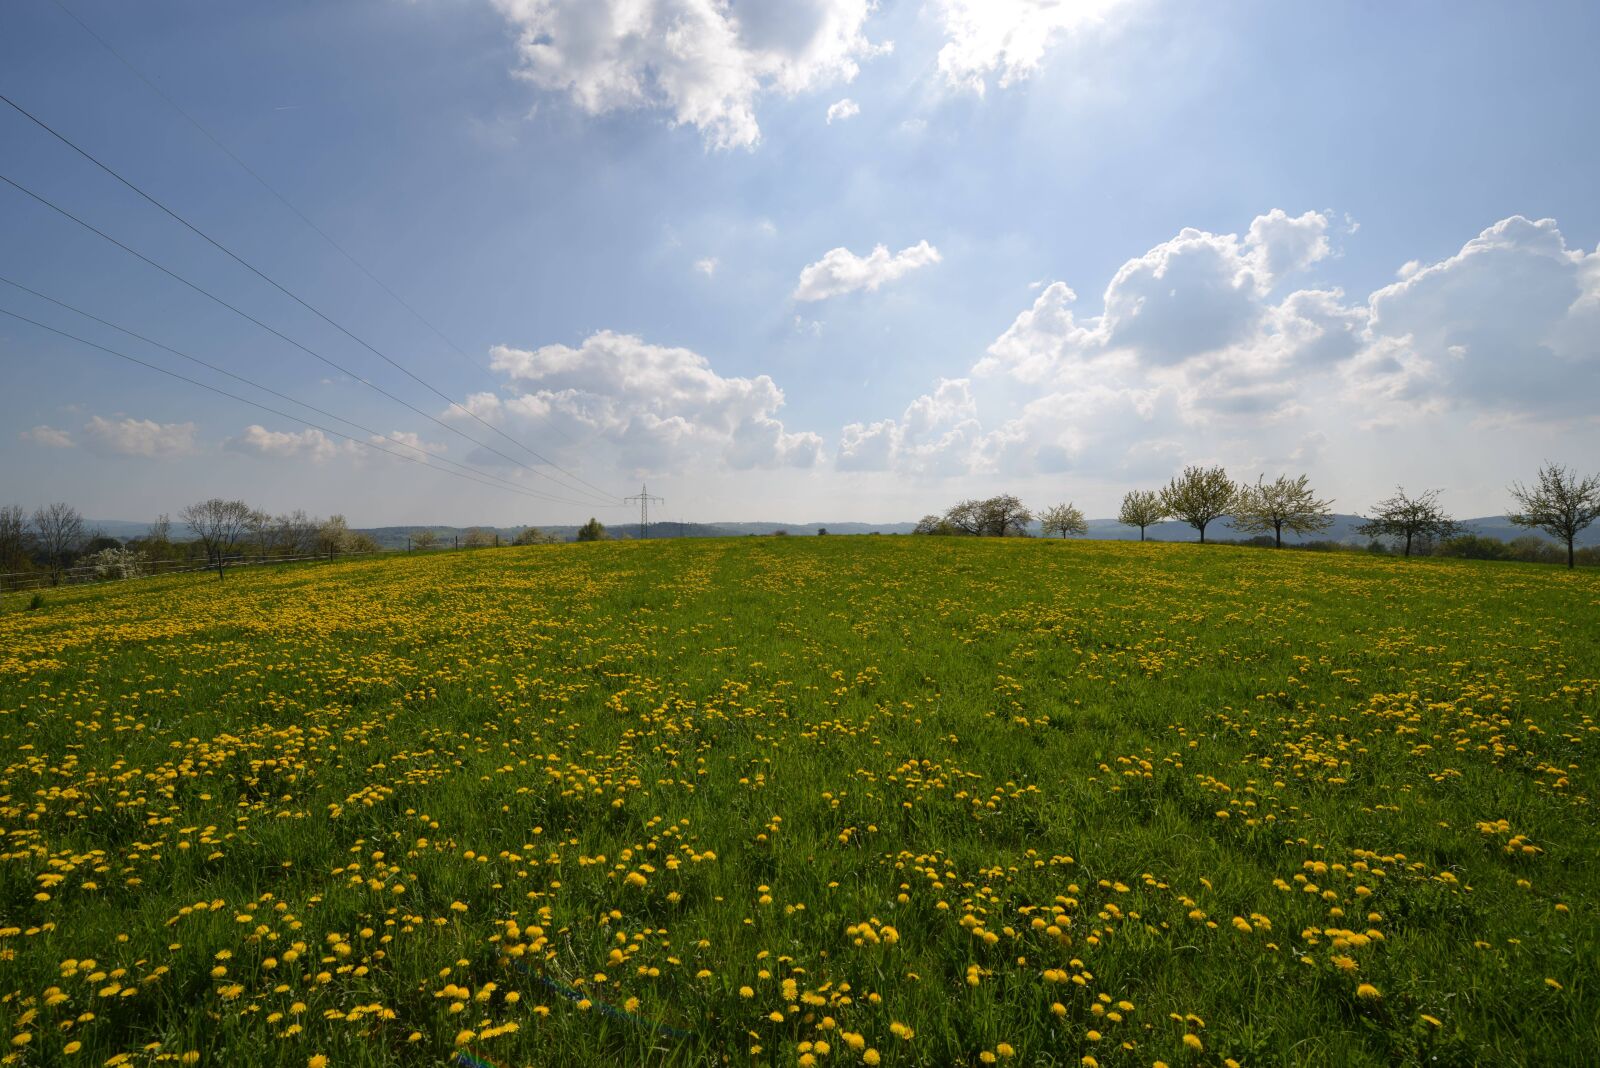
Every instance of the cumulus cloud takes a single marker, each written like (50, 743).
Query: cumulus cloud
(414, 443)
(842, 271)
(938, 434)
(704, 62)
(1008, 39)
(658, 406)
(843, 109)
(48, 436)
(310, 443)
(1203, 339)
(1510, 323)
(138, 437)
(1195, 296)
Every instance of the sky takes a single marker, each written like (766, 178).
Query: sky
(802, 261)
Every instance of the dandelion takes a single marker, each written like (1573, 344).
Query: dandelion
(1368, 992)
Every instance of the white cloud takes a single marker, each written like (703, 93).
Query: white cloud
(937, 435)
(1009, 38)
(310, 443)
(659, 407)
(1509, 324)
(707, 266)
(1194, 352)
(843, 109)
(842, 271)
(1196, 295)
(702, 61)
(413, 443)
(138, 437)
(49, 437)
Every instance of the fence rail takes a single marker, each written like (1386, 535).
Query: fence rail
(18, 581)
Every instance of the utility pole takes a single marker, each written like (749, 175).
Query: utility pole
(644, 498)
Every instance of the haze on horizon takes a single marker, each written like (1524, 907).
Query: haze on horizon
(830, 260)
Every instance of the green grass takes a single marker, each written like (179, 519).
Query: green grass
(1051, 779)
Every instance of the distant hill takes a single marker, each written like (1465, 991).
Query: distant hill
(1342, 530)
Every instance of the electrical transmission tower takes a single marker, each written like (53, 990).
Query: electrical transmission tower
(644, 498)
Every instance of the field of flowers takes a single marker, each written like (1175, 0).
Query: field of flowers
(822, 801)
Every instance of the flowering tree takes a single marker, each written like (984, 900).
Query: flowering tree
(1559, 503)
(1063, 519)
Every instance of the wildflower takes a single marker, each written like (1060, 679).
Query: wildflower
(1368, 992)
(317, 1060)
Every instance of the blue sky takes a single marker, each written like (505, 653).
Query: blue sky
(658, 250)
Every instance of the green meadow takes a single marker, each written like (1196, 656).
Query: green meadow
(868, 800)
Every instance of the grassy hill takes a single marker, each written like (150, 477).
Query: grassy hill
(900, 801)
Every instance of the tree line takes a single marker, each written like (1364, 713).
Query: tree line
(1558, 502)
(56, 537)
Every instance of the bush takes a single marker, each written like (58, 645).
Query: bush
(1473, 547)
(36, 602)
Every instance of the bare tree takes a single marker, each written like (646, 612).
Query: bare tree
(1560, 504)
(1142, 508)
(1282, 503)
(932, 524)
(297, 532)
(264, 532)
(1198, 496)
(426, 539)
(160, 531)
(13, 538)
(218, 524)
(477, 538)
(1409, 518)
(58, 528)
(1063, 519)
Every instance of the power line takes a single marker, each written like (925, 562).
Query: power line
(225, 150)
(282, 336)
(507, 484)
(246, 400)
(289, 293)
(644, 498)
